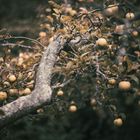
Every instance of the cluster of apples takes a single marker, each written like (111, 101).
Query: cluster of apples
(19, 80)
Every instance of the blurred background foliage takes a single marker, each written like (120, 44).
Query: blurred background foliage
(21, 17)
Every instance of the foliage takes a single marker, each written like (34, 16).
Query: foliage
(91, 65)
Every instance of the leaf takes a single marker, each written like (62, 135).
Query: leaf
(112, 108)
(56, 11)
(122, 115)
(134, 78)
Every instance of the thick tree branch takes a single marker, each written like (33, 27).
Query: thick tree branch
(42, 92)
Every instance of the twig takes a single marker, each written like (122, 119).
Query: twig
(13, 44)
(62, 85)
(21, 37)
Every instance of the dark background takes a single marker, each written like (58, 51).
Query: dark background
(21, 17)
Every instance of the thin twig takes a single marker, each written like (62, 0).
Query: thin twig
(14, 44)
(22, 37)
(62, 85)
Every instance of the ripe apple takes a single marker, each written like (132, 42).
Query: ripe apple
(124, 85)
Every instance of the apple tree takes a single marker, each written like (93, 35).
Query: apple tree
(86, 56)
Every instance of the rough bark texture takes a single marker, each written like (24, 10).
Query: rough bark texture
(42, 92)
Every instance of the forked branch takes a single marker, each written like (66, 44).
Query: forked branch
(41, 94)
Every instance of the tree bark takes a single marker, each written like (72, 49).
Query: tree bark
(41, 94)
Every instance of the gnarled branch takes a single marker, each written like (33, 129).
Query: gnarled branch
(42, 92)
